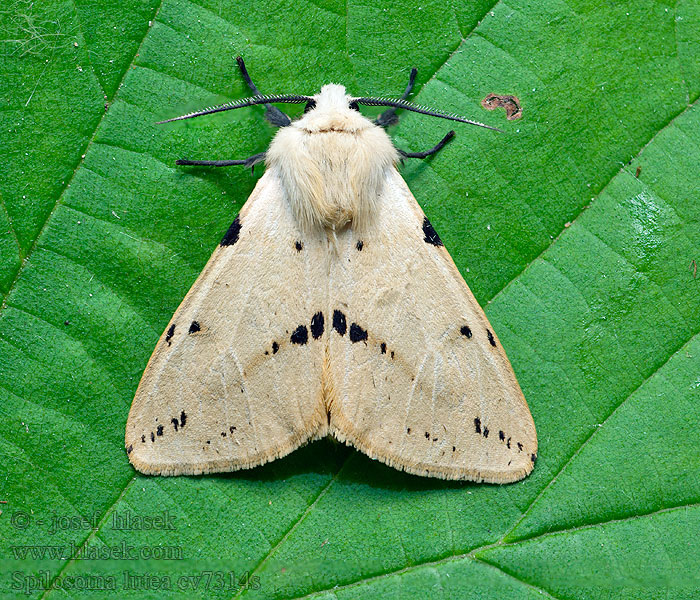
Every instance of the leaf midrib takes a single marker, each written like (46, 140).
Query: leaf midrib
(471, 554)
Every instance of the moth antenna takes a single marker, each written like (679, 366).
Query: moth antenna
(424, 110)
(285, 98)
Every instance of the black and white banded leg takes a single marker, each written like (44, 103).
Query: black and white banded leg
(389, 116)
(273, 114)
(435, 149)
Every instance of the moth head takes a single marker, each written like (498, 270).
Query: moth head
(332, 109)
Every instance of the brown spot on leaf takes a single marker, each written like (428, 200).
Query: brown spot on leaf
(510, 103)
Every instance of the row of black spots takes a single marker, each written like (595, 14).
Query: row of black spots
(194, 327)
(317, 325)
(360, 244)
(466, 331)
(502, 438)
(479, 429)
(339, 322)
(492, 341)
(427, 435)
(299, 245)
(430, 235)
(181, 423)
(300, 335)
(231, 236)
(357, 334)
(170, 334)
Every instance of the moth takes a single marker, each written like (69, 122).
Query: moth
(331, 307)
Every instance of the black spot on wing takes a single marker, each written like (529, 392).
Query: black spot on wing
(317, 325)
(533, 457)
(360, 244)
(300, 335)
(170, 334)
(143, 439)
(175, 423)
(231, 236)
(159, 431)
(466, 331)
(431, 236)
(477, 425)
(486, 432)
(275, 347)
(183, 418)
(129, 449)
(382, 347)
(153, 437)
(492, 341)
(501, 436)
(339, 322)
(298, 245)
(195, 327)
(357, 334)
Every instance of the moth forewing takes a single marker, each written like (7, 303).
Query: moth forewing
(242, 389)
(331, 307)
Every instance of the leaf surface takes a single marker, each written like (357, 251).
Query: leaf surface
(578, 229)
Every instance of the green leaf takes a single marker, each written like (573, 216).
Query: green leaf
(578, 229)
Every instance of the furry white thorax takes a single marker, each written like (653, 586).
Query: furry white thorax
(332, 163)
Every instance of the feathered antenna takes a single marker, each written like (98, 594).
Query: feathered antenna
(424, 110)
(286, 98)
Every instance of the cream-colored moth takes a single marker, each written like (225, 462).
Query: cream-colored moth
(331, 307)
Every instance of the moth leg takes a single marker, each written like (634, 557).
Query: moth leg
(273, 114)
(439, 146)
(389, 117)
(251, 161)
